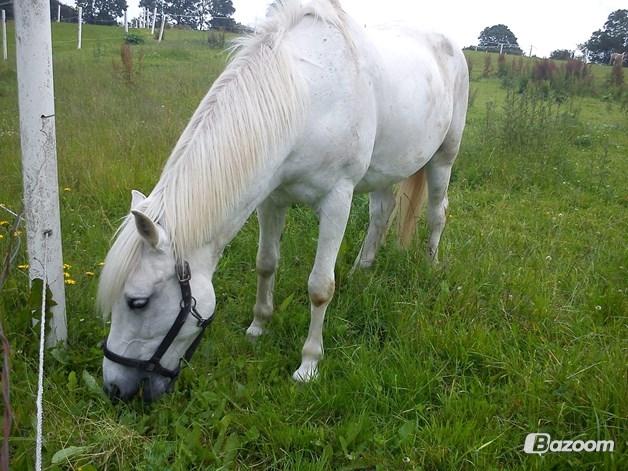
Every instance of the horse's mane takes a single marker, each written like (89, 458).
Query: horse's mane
(251, 111)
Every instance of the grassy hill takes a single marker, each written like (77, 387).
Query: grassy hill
(520, 329)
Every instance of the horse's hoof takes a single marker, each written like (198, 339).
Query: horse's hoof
(307, 372)
(361, 265)
(253, 333)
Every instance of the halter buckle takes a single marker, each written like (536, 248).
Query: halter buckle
(183, 272)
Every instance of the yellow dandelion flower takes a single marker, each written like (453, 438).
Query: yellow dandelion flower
(4, 223)
(23, 267)
(100, 264)
(89, 273)
(67, 189)
(1, 237)
(17, 233)
(70, 281)
(66, 266)
(66, 274)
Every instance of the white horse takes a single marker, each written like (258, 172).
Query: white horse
(311, 109)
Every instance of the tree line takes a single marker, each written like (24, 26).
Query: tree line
(611, 38)
(66, 11)
(196, 14)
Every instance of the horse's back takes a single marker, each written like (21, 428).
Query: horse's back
(381, 104)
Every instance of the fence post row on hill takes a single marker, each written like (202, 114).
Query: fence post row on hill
(33, 44)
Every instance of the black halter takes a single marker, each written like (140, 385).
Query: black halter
(188, 307)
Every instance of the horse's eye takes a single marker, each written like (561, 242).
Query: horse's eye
(137, 303)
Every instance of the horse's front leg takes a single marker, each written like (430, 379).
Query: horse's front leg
(271, 222)
(333, 213)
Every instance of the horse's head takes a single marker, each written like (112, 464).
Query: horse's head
(157, 310)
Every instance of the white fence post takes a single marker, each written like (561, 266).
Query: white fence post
(33, 44)
(80, 27)
(59, 13)
(126, 23)
(5, 54)
(152, 28)
(163, 22)
(501, 49)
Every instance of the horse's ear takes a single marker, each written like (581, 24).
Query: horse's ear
(137, 197)
(146, 227)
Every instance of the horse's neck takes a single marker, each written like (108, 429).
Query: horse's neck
(251, 199)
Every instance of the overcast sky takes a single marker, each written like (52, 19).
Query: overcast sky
(543, 24)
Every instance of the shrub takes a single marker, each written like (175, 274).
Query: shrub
(126, 68)
(132, 38)
(561, 54)
(216, 38)
(488, 65)
(473, 93)
(572, 77)
(544, 70)
(617, 75)
(469, 65)
(502, 69)
(126, 55)
(533, 123)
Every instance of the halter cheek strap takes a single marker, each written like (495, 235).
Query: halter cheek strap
(188, 307)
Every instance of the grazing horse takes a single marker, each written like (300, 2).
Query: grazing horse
(311, 109)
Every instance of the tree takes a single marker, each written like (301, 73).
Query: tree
(561, 54)
(492, 37)
(183, 12)
(221, 12)
(613, 37)
(102, 11)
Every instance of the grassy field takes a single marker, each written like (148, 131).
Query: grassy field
(522, 328)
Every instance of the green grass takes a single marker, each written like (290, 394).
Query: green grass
(520, 329)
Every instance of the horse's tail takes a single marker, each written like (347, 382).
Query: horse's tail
(411, 196)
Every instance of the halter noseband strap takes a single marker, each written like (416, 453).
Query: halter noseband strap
(188, 307)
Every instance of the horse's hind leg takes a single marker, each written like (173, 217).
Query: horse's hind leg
(381, 206)
(271, 222)
(438, 172)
